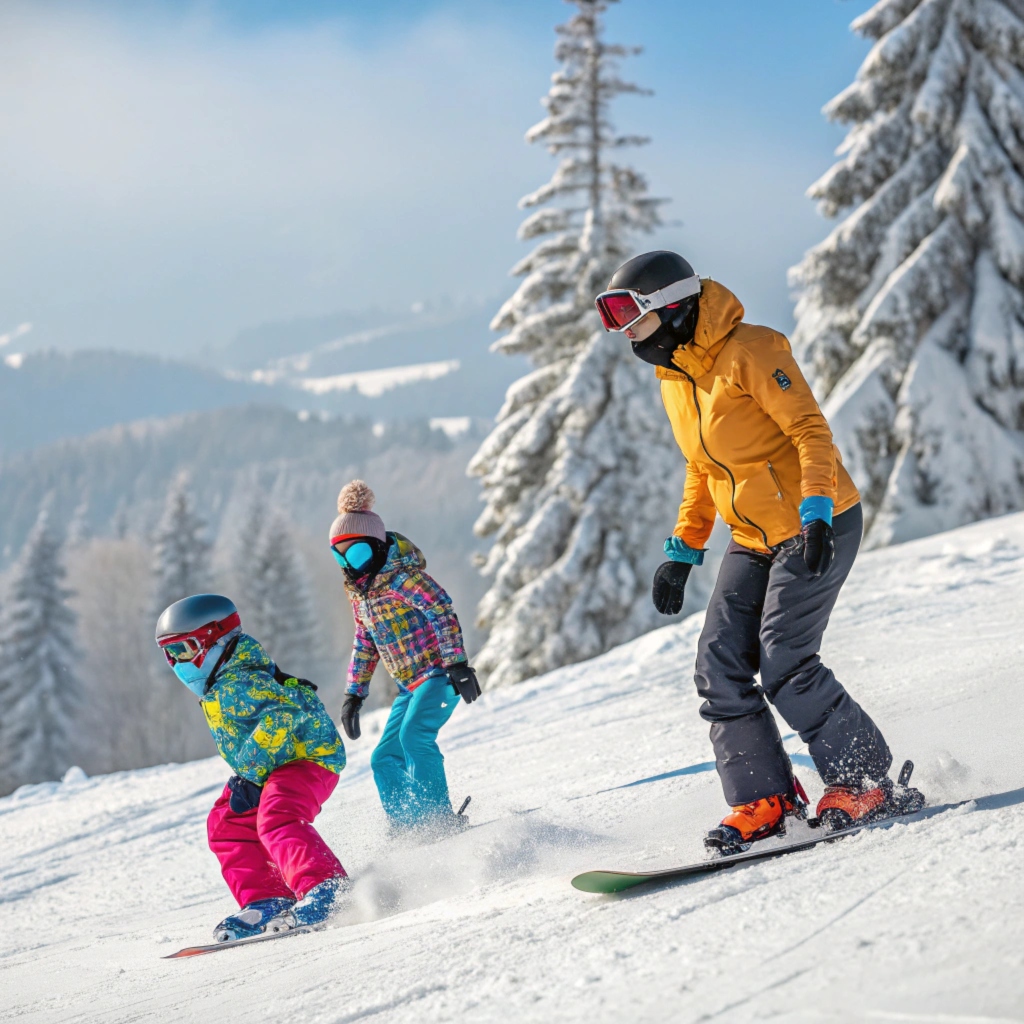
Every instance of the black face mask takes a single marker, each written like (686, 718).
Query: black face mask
(362, 578)
(677, 328)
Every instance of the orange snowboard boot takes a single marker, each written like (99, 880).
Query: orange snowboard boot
(845, 806)
(757, 820)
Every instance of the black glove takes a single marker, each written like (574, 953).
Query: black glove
(819, 546)
(286, 680)
(669, 584)
(463, 678)
(350, 716)
(245, 795)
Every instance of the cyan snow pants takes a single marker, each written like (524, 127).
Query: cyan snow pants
(273, 850)
(407, 765)
(768, 614)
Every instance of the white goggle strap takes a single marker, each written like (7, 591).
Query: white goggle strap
(675, 292)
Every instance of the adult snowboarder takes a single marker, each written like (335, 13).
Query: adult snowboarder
(275, 733)
(759, 452)
(403, 617)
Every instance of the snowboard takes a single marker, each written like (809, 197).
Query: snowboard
(216, 947)
(619, 881)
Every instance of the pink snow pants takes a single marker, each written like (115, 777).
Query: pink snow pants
(273, 850)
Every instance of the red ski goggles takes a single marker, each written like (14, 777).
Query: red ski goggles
(620, 308)
(179, 647)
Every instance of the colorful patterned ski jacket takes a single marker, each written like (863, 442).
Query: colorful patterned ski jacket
(260, 724)
(405, 619)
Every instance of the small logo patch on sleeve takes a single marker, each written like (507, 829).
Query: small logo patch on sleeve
(782, 380)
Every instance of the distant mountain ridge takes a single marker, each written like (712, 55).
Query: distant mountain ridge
(124, 471)
(46, 396)
(429, 365)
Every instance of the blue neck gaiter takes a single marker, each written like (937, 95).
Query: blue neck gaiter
(195, 677)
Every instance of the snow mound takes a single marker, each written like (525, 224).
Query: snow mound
(603, 764)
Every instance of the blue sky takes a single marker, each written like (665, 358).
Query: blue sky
(173, 171)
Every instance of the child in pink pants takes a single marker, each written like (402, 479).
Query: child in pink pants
(273, 730)
(272, 851)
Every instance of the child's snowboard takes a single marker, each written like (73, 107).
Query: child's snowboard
(215, 947)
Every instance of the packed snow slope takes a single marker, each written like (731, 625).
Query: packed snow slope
(604, 764)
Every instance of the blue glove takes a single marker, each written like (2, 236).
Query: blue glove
(816, 530)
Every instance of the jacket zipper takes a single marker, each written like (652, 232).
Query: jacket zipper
(722, 465)
(778, 486)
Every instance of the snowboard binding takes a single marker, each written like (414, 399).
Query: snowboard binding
(843, 807)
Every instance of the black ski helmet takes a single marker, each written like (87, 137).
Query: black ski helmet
(651, 272)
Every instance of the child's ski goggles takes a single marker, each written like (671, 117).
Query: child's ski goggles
(181, 650)
(620, 308)
(193, 646)
(355, 557)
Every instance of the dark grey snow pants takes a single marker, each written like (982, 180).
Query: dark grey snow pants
(768, 614)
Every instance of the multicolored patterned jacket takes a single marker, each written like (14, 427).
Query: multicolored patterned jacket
(260, 724)
(404, 619)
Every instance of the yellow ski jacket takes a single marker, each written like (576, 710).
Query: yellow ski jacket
(756, 443)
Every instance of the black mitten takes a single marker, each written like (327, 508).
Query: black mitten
(819, 546)
(463, 678)
(669, 585)
(245, 795)
(350, 716)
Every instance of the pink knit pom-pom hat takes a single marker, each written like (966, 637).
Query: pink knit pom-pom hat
(355, 519)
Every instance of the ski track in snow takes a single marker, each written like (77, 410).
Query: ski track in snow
(923, 922)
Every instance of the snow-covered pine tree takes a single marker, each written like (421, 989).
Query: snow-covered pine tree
(78, 532)
(580, 473)
(181, 552)
(272, 589)
(181, 566)
(240, 546)
(911, 317)
(39, 691)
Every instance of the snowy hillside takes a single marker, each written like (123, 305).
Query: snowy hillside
(426, 362)
(603, 764)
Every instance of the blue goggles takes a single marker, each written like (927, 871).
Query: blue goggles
(357, 557)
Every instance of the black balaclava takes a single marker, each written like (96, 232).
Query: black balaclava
(646, 274)
(678, 326)
(362, 578)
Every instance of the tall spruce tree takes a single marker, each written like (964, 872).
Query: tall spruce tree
(911, 318)
(39, 690)
(272, 588)
(181, 551)
(579, 474)
(181, 566)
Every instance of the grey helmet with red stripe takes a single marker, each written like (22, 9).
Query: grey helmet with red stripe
(197, 613)
(192, 627)
(654, 300)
